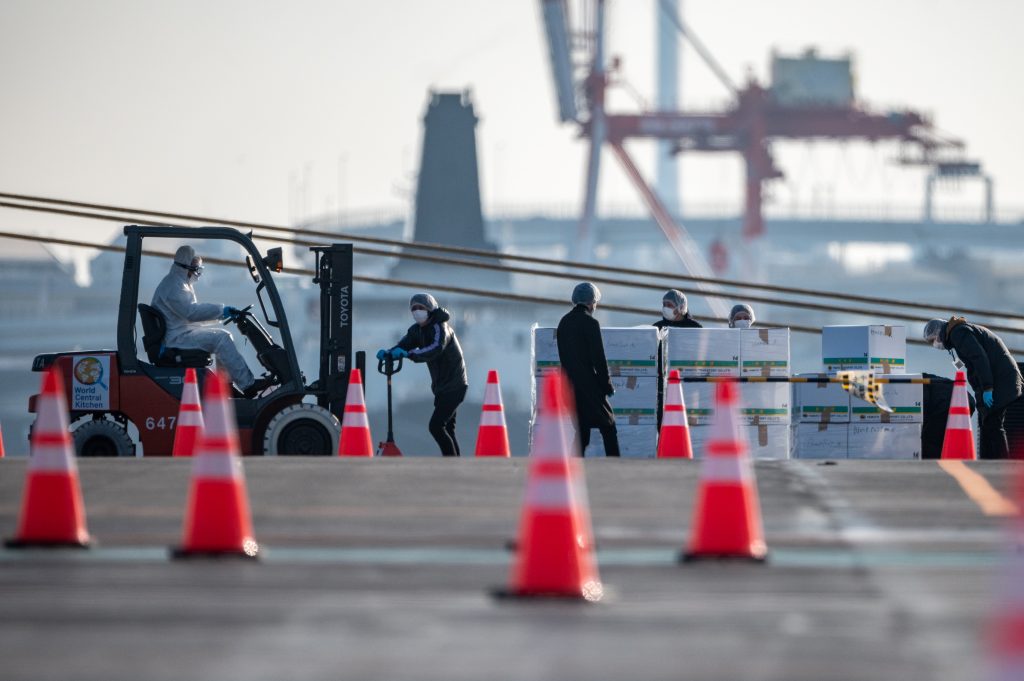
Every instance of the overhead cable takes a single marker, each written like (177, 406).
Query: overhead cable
(480, 293)
(473, 252)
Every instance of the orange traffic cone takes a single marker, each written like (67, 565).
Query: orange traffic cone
(190, 417)
(2, 453)
(959, 440)
(52, 513)
(727, 515)
(1006, 625)
(355, 426)
(492, 437)
(674, 438)
(217, 518)
(555, 550)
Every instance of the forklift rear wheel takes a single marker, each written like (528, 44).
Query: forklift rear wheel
(103, 438)
(302, 430)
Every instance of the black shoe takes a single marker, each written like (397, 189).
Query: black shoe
(258, 386)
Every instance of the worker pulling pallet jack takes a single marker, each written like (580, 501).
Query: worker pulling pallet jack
(431, 340)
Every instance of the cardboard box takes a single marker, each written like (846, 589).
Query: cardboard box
(700, 403)
(768, 441)
(763, 442)
(904, 398)
(703, 352)
(821, 441)
(885, 441)
(635, 442)
(544, 349)
(629, 351)
(764, 352)
(632, 351)
(699, 436)
(635, 401)
(760, 403)
(876, 347)
(765, 404)
(820, 402)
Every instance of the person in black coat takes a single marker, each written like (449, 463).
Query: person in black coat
(991, 371)
(581, 354)
(432, 340)
(675, 312)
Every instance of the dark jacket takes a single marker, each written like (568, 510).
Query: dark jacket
(989, 364)
(687, 322)
(435, 343)
(581, 353)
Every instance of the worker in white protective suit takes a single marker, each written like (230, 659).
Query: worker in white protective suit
(175, 298)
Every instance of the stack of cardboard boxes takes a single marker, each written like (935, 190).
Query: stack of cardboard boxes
(830, 424)
(632, 355)
(765, 407)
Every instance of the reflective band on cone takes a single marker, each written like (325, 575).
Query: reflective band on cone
(727, 514)
(190, 417)
(555, 548)
(218, 521)
(674, 438)
(492, 436)
(355, 424)
(958, 442)
(52, 513)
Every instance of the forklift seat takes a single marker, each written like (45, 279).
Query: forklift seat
(154, 326)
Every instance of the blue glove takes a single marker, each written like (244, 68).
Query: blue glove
(398, 353)
(381, 354)
(229, 312)
(987, 398)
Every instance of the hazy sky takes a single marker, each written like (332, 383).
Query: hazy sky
(225, 107)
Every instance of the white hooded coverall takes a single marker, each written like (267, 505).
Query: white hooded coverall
(175, 297)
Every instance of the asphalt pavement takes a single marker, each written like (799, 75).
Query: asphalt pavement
(382, 569)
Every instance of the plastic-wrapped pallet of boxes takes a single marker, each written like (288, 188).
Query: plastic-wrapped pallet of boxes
(632, 355)
(874, 347)
(830, 424)
(765, 407)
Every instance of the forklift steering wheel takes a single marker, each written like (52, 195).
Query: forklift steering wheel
(235, 317)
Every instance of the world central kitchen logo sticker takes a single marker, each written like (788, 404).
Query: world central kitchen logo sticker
(89, 388)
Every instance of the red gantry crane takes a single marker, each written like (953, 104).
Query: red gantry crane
(799, 105)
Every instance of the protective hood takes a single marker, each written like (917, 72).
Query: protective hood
(952, 324)
(440, 315)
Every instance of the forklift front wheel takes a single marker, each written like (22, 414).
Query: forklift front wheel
(101, 437)
(302, 430)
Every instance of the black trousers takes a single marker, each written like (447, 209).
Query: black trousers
(609, 433)
(442, 421)
(994, 444)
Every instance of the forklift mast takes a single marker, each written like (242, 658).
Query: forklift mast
(334, 275)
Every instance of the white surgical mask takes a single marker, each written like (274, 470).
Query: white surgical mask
(668, 313)
(937, 344)
(420, 316)
(741, 324)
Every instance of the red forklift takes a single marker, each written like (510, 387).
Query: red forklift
(109, 390)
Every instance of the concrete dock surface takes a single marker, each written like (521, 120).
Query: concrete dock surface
(382, 569)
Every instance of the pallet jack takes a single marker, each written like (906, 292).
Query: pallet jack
(389, 366)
